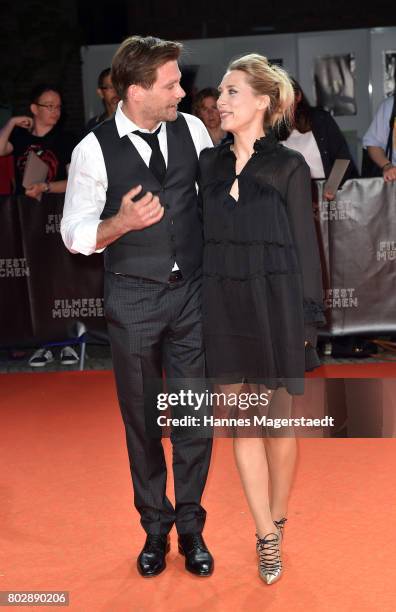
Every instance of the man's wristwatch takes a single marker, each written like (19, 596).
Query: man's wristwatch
(47, 187)
(386, 166)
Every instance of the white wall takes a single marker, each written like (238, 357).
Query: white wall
(94, 59)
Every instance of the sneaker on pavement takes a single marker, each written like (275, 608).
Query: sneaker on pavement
(69, 356)
(41, 358)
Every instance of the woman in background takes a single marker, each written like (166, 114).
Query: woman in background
(314, 133)
(43, 135)
(205, 108)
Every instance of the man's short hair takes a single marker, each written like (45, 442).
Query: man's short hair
(137, 59)
(102, 76)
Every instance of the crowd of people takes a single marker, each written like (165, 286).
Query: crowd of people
(310, 130)
(238, 302)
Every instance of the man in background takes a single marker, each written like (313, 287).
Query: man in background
(109, 97)
(380, 139)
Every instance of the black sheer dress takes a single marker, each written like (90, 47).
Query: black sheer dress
(262, 288)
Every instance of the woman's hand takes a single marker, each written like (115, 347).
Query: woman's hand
(329, 196)
(36, 190)
(22, 121)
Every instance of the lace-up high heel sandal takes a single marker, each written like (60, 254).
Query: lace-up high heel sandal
(280, 526)
(269, 558)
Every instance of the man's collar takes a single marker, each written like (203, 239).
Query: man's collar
(126, 125)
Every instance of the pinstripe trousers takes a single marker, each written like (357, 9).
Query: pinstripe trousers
(154, 327)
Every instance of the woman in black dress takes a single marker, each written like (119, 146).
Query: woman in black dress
(262, 280)
(315, 134)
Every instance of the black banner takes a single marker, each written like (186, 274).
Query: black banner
(44, 288)
(15, 314)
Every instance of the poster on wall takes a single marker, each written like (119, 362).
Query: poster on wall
(334, 79)
(389, 63)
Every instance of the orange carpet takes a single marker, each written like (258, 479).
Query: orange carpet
(67, 521)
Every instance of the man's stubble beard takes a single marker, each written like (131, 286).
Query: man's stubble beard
(158, 115)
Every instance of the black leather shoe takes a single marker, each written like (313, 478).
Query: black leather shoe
(151, 560)
(199, 561)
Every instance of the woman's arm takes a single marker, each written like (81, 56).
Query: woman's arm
(331, 142)
(21, 121)
(35, 190)
(301, 220)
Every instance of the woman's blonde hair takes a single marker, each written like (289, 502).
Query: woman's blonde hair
(270, 80)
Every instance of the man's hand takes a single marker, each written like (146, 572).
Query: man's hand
(377, 154)
(138, 215)
(132, 216)
(389, 174)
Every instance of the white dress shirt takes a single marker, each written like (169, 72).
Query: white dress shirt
(307, 146)
(87, 180)
(378, 132)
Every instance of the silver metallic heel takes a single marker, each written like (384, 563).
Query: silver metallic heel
(270, 562)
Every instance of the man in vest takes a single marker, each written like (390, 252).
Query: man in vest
(132, 193)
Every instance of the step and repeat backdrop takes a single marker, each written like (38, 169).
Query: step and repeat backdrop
(45, 289)
(357, 241)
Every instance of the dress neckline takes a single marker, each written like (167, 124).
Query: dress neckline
(265, 143)
(261, 145)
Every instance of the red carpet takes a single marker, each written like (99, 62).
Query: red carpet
(67, 520)
(356, 370)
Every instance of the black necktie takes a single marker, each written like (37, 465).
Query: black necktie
(157, 162)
